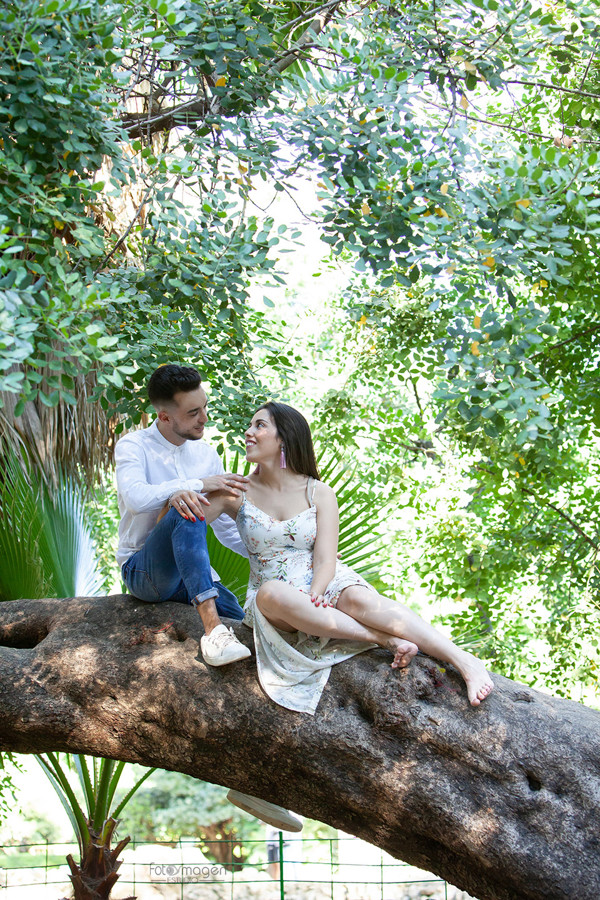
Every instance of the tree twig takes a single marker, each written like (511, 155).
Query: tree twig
(514, 128)
(555, 87)
(125, 235)
(574, 337)
(564, 516)
(589, 63)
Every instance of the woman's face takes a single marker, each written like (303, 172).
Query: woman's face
(262, 440)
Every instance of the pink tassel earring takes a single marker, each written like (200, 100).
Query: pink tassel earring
(282, 462)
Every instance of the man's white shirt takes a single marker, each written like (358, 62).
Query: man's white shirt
(149, 470)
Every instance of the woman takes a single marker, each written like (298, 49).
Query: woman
(288, 520)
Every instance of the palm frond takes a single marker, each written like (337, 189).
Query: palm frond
(45, 545)
(21, 573)
(85, 781)
(360, 517)
(117, 812)
(66, 546)
(233, 569)
(54, 771)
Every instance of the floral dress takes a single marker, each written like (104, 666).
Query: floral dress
(293, 667)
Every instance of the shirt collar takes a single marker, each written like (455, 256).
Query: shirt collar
(161, 439)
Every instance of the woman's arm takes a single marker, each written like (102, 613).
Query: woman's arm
(219, 502)
(326, 544)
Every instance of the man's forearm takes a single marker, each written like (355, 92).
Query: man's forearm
(139, 496)
(135, 491)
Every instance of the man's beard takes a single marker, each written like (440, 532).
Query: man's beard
(188, 435)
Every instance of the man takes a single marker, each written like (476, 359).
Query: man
(168, 560)
(169, 461)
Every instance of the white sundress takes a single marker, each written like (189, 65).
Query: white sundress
(293, 667)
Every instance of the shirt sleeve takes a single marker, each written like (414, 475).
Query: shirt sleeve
(224, 527)
(137, 494)
(226, 532)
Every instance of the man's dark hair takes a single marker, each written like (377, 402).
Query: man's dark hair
(294, 431)
(166, 381)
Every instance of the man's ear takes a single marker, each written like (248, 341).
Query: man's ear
(163, 415)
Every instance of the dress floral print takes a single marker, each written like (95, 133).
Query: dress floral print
(293, 668)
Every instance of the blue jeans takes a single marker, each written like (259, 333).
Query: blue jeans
(173, 565)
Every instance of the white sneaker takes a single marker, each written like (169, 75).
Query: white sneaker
(267, 812)
(221, 647)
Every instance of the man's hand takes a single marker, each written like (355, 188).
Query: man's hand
(229, 483)
(188, 504)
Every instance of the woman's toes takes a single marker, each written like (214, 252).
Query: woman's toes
(477, 690)
(403, 652)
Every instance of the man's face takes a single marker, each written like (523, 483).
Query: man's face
(184, 419)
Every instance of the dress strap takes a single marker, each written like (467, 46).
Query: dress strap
(310, 490)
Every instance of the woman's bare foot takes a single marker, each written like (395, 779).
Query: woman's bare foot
(477, 678)
(403, 652)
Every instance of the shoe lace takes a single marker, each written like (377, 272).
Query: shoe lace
(224, 638)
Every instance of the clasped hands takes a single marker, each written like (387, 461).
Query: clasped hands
(317, 599)
(189, 504)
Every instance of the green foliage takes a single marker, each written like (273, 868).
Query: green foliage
(455, 151)
(8, 762)
(404, 126)
(172, 805)
(98, 780)
(46, 547)
(69, 301)
(56, 129)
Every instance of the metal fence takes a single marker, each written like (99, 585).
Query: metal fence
(295, 868)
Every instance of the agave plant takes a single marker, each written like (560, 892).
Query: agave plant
(95, 875)
(47, 551)
(45, 547)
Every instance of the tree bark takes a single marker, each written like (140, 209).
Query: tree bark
(501, 800)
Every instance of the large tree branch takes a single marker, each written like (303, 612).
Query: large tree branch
(502, 800)
(144, 125)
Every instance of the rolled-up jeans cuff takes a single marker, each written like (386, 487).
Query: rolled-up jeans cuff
(204, 595)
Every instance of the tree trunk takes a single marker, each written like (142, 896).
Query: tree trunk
(94, 877)
(501, 800)
(220, 842)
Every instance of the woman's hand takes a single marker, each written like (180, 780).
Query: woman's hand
(188, 504)
(319, 599)
(228, 483)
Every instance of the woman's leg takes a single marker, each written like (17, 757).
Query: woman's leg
(383, 614)
(289, 609)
